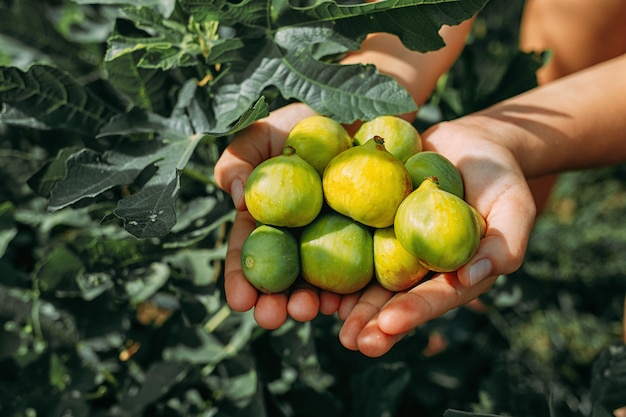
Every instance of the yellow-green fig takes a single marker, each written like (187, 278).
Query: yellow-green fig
(366, 183)
(401, 138)
(336, 254)
(395, 268)
(437, 227)
(284, 191)
(318, 139)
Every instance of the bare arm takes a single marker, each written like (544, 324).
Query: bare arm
(578, 121)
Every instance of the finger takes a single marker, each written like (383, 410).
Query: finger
(373, 342)
(509, 225)
(304, 302)
(427, 301)
(240, 294)
(329, 302)
(368, 306)
(258, 142)
(347, 305)
(270, 311)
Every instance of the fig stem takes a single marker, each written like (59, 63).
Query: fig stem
(289, 150)
(380, 141)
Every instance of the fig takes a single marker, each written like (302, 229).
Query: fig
(336, 253)
(366, 183)
(437, 227)
(395, 268)
(432, 164)
(401, 138)
(318, 139)
(480, 222)
(284, 190)
(270, 259)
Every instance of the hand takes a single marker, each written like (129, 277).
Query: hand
(260, 141)
(496, 186)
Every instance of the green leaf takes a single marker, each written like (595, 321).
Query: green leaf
(157, 381)
(148, 283)
(379, 388)
(165, 7)
(416, 22)
(457, 413)
(144, 88)
(54, 98)
(608, 383)
(343, 92)
(246, 12)
(8, 228)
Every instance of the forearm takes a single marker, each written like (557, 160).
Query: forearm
(573, 123)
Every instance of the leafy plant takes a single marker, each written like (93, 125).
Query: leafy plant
(220, 65)
(113, 233)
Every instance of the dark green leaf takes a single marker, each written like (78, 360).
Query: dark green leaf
(246, 12)
(379, 389)
(343, 92)
(457, 413)
(44, 180)
(54, 98)
(608, 383)
(416, 22)
(157, 381)
(165, 7)
(144, 88)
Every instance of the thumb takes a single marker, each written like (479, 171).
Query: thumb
(503, 248)
(258, 142)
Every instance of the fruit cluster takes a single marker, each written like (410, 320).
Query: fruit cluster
(339, 210)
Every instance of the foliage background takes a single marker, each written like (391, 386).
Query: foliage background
(97, 322)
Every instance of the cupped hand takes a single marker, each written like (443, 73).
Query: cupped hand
(260, 141)
(496, 186)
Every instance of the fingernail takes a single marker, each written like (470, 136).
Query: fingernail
(236, 192)
(479, 270)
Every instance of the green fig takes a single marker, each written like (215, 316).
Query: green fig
(270, 259)
(432, 164)
(438, 227)
(336, 254)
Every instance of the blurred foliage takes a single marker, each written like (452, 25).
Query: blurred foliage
(95, 322)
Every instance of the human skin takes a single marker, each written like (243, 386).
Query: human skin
(542, 132)
(266, 138)
(528, 137)
(546, 131)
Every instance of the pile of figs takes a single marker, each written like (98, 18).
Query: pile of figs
(338, 210)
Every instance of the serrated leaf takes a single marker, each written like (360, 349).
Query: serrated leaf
(54, 98)
(415, 22)
(169, 44)
(144, 88)
(343, 92)
(15, 117)
(90, 173)
(150, 212)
